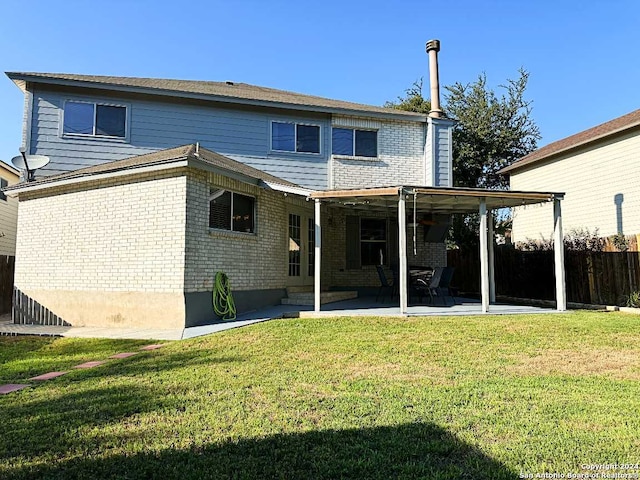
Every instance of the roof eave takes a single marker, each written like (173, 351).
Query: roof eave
(552, 156)
(391, 115)
(25, 187)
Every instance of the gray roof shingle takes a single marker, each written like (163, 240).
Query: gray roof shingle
(598, 132)
(221, 91)
(163, 156)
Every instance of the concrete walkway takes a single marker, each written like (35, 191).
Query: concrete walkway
(350, 308)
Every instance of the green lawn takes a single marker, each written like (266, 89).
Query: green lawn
(449, 397)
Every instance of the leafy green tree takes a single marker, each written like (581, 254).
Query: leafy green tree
(491, 132)
(413, 101)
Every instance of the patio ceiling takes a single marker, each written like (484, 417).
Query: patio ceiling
(433, 199)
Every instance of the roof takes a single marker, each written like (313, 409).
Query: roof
(607, 129)
(232, 92)
(444, 200)
(200, 157)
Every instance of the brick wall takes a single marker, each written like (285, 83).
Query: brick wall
(106, 252)
(334, 262)
(252, 261)
(401, 158)
(105, 236)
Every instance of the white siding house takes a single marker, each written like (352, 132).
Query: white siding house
(8, 211)
(599, 171)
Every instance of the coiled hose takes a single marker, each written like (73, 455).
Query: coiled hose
(223, 303)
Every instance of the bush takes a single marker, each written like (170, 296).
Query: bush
(633, 300)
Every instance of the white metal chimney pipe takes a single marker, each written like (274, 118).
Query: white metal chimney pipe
(433, 47)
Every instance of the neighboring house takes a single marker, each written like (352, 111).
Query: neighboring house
(8, 210)
(154, 185)
(598, 169)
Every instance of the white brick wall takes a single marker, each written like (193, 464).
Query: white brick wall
(591, 178)
(109, 236)
(252, 261)
(400, 156)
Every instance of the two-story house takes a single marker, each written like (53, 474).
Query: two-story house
(155, 185)
(134, 227)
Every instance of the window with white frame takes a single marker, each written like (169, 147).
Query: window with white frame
(354, 142)
(295, 137)
(231, 211)
(94, 119)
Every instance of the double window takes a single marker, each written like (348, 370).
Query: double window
(295, 137)
(354, 142)
(231, 211)
(94, 119)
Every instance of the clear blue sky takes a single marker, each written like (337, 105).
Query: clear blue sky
(582, 55)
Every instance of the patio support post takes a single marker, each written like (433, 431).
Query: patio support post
(492, 264)
(317, 263)
(484, 257)
(402, 251)
(558, 253)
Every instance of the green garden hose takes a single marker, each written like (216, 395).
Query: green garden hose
(223, 303)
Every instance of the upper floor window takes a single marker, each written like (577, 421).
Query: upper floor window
(95, 119)
(354, 142)
(231, 211)
(295, 137)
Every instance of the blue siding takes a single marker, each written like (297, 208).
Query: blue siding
(241, 134)
(443, 155)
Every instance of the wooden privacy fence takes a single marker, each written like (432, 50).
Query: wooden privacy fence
(7, 269)
(592, 277)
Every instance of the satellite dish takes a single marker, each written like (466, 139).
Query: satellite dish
(33, 162)
(30, 163)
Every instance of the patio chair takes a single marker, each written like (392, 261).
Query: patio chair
(384, 284)
(444, 288)
(432, 287)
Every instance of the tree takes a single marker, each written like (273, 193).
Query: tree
(490, 133)
(413, 101)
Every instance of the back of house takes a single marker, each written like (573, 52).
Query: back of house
(154, 185)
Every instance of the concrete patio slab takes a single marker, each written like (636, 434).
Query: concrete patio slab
(12, 387)
(347, 308)
(48, 376)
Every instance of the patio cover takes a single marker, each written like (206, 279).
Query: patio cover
(444, 200)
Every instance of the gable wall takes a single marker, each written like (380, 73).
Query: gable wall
(591, 179)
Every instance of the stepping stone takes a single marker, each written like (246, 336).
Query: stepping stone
(90, 364)
(11, 387)
(152, 347)
(124, 355)
(48, 376)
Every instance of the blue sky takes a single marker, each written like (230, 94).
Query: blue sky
(582, 55)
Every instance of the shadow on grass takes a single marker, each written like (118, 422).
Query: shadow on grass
(419, 450)
(32, 427)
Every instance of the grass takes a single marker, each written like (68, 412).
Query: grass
(442, 398)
